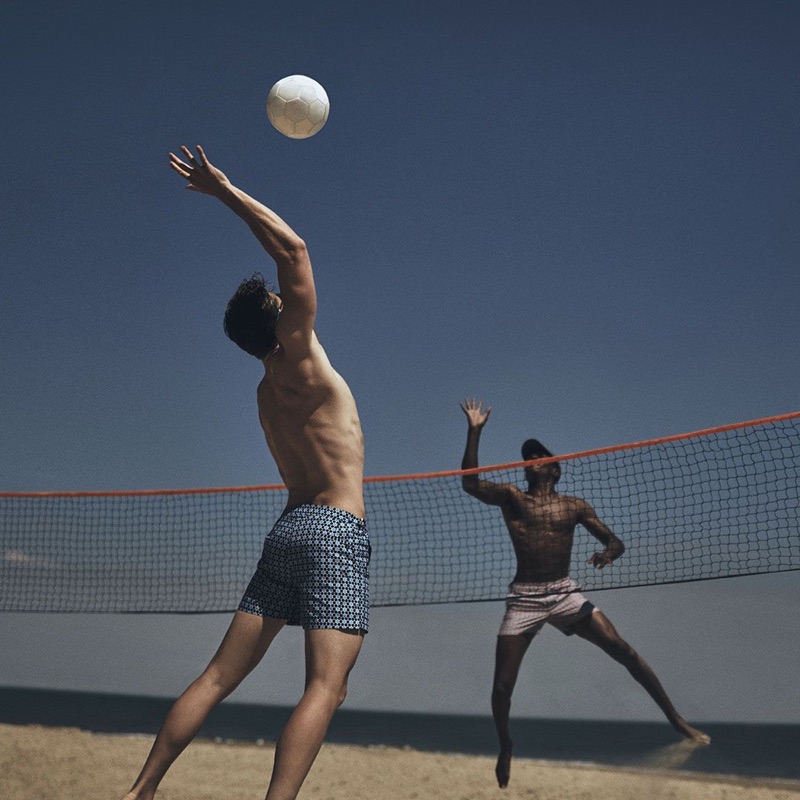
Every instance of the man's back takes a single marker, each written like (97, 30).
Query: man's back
(311, 424)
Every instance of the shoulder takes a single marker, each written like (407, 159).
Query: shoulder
(310, 369)
(577, 505)
(310, 356)
(291, 349)
(512, 496)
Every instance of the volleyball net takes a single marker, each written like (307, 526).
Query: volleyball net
(716, 503)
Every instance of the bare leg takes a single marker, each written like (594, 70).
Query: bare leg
(244, 645)
(330, 655)
(597, 629)
(508, 657)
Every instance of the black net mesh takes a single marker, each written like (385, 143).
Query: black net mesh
(709, 505)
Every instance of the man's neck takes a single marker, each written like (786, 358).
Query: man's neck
(542, 490)
(268, 356)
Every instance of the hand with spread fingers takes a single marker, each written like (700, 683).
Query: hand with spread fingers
(202, 175)
(476, 415)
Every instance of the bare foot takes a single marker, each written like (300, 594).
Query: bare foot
(503, 767)
(689, 732)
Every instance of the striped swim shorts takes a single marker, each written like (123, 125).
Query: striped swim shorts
(313, 570)
(530, 605)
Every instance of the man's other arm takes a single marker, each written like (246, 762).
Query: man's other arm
(614, 547)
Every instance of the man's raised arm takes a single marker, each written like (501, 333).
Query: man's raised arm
(295, 277)
(493, 494)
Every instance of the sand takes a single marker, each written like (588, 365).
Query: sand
(38, 763)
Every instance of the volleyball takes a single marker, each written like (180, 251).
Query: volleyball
(297, 106)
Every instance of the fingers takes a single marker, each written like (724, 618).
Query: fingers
(190, 171)
(190, 156)
(188, 153)
(178, 166)
(176, 160)
(474, 409)
(182, 167)
(472, 404)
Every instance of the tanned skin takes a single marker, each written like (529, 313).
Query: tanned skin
(541, 523)
(312, 429)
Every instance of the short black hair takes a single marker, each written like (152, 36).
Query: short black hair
(251, 316)
(533, 448)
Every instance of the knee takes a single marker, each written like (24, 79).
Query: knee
(621, 651)
(218, 681)
(502, 689)
(331, 693)
(341, 695)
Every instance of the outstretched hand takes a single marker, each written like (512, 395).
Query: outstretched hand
(477, 416)
(202, 175)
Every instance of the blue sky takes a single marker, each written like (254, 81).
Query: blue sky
(584, 213)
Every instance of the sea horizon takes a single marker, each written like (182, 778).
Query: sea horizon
(752, 750)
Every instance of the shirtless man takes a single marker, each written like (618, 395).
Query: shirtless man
(541, 524)
(314, 567)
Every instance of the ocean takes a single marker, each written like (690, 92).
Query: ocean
(747, 750)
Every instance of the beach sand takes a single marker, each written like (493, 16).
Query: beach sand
(38, 763)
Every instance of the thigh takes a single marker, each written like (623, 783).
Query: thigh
(247, 639)
(509, 653)
(334, 581)
(597, 629)
(331, 654)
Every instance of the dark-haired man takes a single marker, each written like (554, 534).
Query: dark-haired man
(314, 567)
(541, 523)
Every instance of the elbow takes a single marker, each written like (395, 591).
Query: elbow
(291, 250)
(295, 248)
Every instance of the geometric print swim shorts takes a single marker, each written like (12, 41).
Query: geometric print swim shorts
(313, 570)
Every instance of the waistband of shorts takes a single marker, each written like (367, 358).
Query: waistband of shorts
(322, 509)
(545, 587)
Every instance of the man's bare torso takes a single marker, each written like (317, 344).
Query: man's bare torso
(311, 424)
(542, 528)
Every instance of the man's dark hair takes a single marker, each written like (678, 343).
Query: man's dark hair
(533, 448)
(251, 316)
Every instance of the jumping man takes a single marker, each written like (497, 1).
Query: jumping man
(541, 524)
(313, 571)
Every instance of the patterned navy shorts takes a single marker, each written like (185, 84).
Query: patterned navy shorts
(314, 570)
